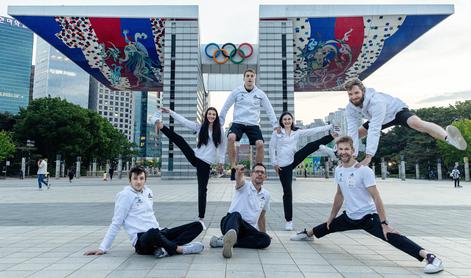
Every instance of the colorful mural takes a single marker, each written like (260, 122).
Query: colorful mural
(328, 51)
(121, 53)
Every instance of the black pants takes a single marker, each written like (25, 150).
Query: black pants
(202, 168)
(457, 182)
(247, 235)
(372, 225)
(286, 173)
(168, 239)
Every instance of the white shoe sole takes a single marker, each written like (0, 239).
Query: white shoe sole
(426, 271)
(456, 136)
(230, 238)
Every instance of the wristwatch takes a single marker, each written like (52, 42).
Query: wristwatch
(385, 222)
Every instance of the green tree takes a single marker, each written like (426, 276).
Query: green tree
(451, 154)
(7, 148)
(7, 121)
(59, 127)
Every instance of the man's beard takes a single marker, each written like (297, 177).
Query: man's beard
(360, 102)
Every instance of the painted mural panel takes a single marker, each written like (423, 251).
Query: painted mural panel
(328, 51)
(121, 53)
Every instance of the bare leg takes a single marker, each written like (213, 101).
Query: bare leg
(431, 129)
(259, 153)
(231, 149)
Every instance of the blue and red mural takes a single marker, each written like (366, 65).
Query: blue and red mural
(121, 53)
(328, 51)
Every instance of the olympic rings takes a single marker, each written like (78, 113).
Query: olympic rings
(229, 55)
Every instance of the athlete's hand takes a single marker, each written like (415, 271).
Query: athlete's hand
(277, 129)
(277, 169)
(98, 252)
(388, 229)
(165, 110)
(364, 162)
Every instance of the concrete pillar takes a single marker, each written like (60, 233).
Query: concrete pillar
(417, 170)
(383, 169)
(403, 168)
(133, 161)
(439, 169)
(373, 167)
(466, 168)
(120, 167)
(63, 169)
(77, 169)
(327, 168)
(94, 167)
(58, 166)
(23, 167)
(127, 166)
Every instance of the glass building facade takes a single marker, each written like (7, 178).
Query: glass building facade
(16, 52)
(57, 76)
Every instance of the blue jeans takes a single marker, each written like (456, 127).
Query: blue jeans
(41, 180)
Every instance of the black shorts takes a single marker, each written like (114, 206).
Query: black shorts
(253, 132)
(400, 119)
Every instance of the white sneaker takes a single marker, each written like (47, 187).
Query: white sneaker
(216, 242)
(193, 248)
(156, 117)
(328, 151)
(302, 236)
(229, 240)
(433, 265)
(289, 226)
(202, 224)
(454, 138)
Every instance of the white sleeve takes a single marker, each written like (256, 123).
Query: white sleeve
(229, 102)
(222, 147)
(269, 109)
(353, 119)
(121, 210)
(186, 123)
(368, 176)
(378, 113)
(313, 131)
(272, 147)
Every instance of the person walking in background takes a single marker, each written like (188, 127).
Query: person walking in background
(111, 171)
(71, 174)
(455, 175)
(42, 171)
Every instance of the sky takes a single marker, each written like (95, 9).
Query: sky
(432, 71)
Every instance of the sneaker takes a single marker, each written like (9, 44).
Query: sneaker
(233, 171)
(302, 236)
(202, 224)
(193, 248)
(433, 265)
(328, 151)
(454, 138)
(289, 226)
(216, 242)
(160, 253)
(229, 240)
(156, 117)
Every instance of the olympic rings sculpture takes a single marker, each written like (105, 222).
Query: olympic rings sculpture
(229, 55)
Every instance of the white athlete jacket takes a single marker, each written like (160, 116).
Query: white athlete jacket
(208, 153)
(247, 107)
(379, 109)
(283, 146)
(134, 210)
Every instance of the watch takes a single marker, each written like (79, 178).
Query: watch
(385, 222)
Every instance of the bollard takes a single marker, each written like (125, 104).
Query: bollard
(383, 169)
(417, 170)
(403, 168)
(120, 167)
(77, 169)
(466, 168)
(439, 169)
(23, 167)
(58, 166)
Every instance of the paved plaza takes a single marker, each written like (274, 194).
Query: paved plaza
(45, 233)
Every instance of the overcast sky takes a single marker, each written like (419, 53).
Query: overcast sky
(432, 71)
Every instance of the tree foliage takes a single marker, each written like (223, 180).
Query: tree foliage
(59, 127)
(7, 148)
